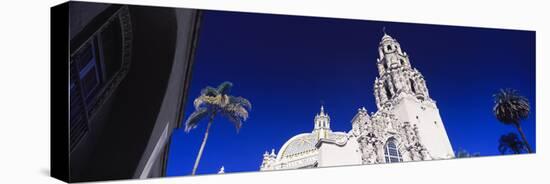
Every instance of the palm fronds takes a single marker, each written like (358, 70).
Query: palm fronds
(510, 107)
(217, 101)
(194, 118)
(510, 143)
(225, 88)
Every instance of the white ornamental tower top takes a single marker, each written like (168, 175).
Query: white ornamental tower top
(396, 76)
(322, 120)
(390, 54)
(322, 124)
(222, 170)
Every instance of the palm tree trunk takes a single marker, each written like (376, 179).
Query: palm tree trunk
(202, 145)
(520, 130)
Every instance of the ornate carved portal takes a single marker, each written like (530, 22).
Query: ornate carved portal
(376, 131)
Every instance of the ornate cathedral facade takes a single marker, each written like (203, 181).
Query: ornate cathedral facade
(406, 127)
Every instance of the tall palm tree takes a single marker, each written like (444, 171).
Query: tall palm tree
(217, 101)
(510, 108)
(510, 143)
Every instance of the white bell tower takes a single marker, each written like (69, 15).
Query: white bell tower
(322, 124)
(401, 90)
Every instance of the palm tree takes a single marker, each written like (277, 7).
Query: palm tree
(216, 101)
(510, 143)
(510, 108)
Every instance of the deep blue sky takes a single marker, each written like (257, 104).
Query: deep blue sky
(288, 65)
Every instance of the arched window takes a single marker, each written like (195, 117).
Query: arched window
(388, 91)
(412, 85)
(402, 61)
(391, 153)
(389, 48)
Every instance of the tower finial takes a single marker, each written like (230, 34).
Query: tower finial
(385, 36)
(322, 106)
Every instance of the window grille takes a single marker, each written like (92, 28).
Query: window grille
(391, 153)
(96, 68)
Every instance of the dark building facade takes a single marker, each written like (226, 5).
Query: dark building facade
(129, 68)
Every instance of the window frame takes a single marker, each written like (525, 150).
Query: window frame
(388, 156)
(88, 102)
